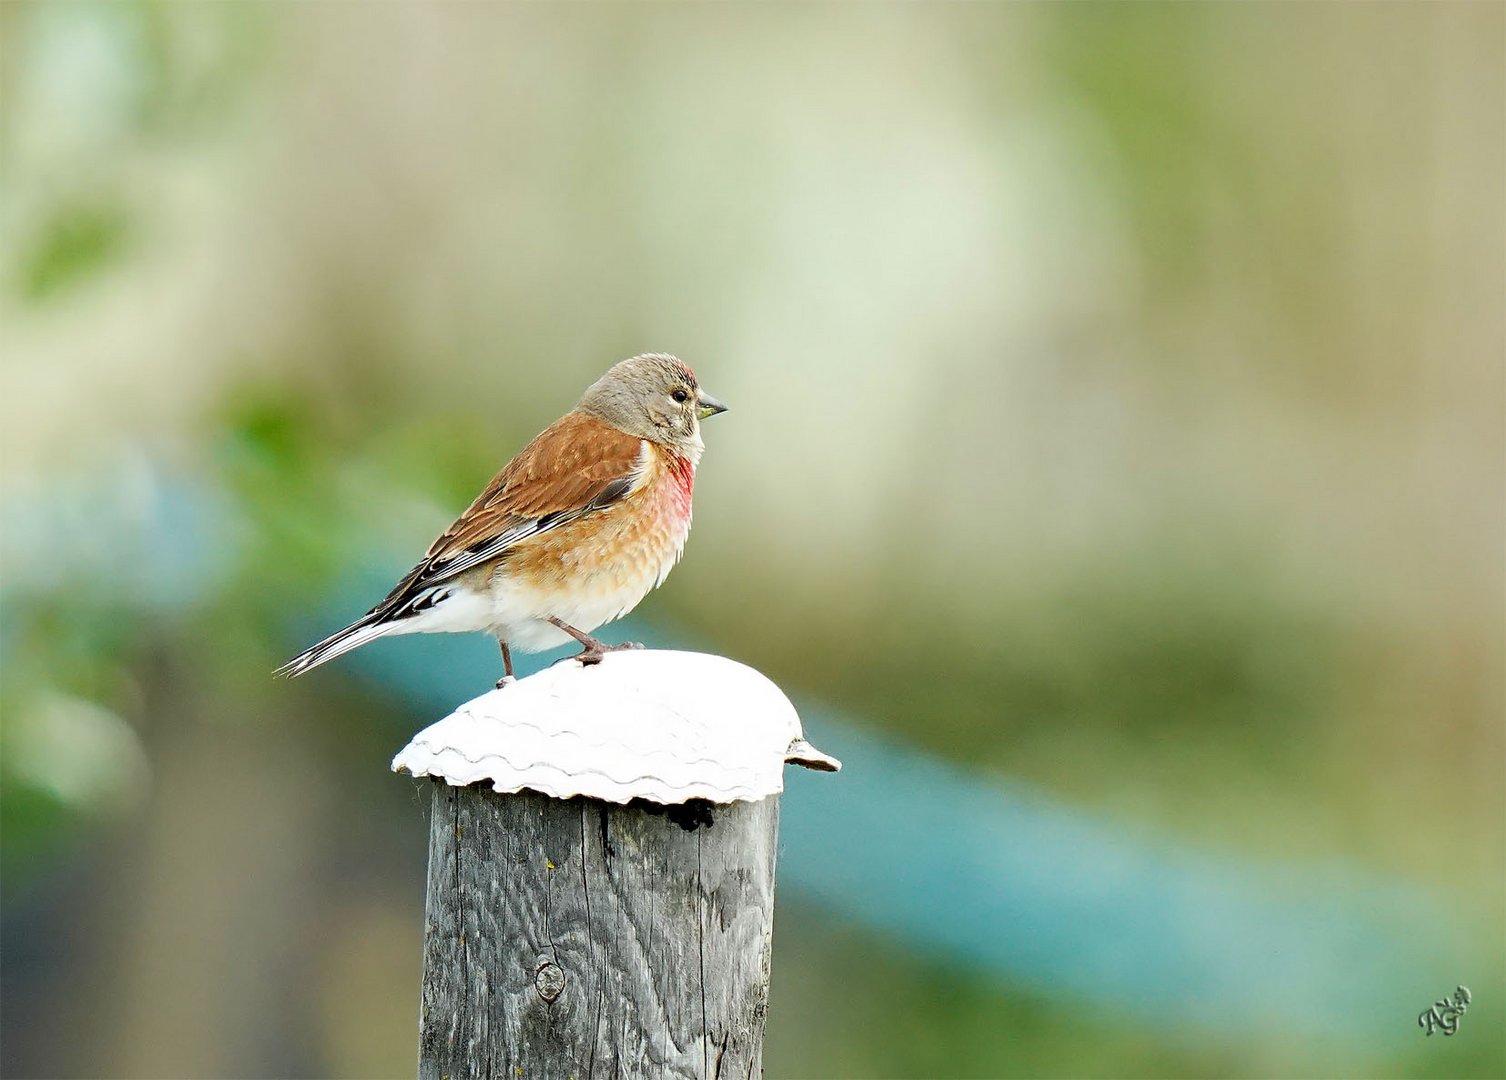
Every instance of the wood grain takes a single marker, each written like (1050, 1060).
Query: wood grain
(582, 939)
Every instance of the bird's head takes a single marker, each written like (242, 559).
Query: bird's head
(656, 397)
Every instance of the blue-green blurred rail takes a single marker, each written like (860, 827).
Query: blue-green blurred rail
(981, 871)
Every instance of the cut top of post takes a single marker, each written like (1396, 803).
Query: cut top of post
(643, 724)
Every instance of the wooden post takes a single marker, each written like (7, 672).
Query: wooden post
(601, 871)
(578, 938)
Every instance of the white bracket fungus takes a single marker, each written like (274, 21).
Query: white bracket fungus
(642, 724)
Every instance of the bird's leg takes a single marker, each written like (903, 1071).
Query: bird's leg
(593, 649)
(506, 665)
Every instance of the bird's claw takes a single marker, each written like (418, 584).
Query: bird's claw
(592, 654)
(505, 681)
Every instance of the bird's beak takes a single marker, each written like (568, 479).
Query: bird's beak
(708, 405)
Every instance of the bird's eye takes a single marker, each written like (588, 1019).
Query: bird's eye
(680, 395)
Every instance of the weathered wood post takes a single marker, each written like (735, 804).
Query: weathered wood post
(601, 871)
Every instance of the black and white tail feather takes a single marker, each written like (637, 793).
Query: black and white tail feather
(358, 633)
(394, 615)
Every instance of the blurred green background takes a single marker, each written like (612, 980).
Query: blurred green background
(1117, 416)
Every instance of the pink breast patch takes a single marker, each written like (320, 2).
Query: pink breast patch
(682, 476)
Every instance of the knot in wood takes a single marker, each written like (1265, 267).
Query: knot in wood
(549, 981)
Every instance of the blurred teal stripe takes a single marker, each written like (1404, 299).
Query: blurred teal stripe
(998, 876)
(985, 872)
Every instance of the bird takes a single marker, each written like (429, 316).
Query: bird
(575, 530)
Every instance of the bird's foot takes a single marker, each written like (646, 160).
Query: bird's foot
(505, 681)
(595, 650)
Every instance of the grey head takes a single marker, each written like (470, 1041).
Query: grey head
(655, 397)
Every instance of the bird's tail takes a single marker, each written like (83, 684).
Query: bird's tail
(364, 629)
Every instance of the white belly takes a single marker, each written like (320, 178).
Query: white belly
(516, 618)
(518, 614)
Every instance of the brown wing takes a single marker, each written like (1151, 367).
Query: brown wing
(567, 469)
(577, 465)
